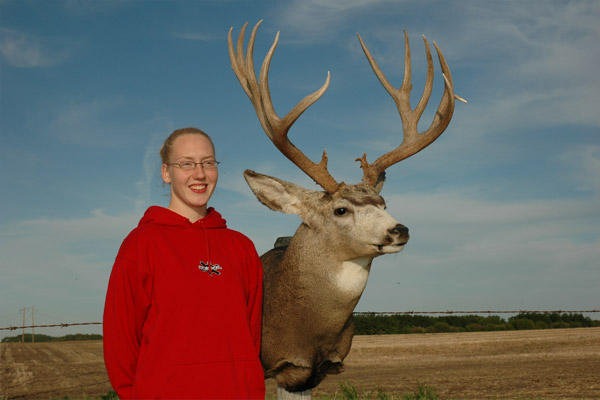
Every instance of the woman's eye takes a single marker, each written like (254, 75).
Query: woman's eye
(340, 211)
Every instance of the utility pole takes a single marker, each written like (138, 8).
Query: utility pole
(23, 326)
(31, 311)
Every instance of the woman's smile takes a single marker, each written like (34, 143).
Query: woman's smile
(198, 188)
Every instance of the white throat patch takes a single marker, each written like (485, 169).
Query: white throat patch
(353, 276)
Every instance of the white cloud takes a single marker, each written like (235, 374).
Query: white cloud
(584, 164)
(498, 255)
(82, 7)
(200, 37)
(82, 122)
(467, 208)
(319, 19)
(465, 228)
(61, 266)
(101, 122)
(23, 50)
(536, 61)
(151, 173)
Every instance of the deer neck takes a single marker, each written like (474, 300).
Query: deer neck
(352, 277)
(311, 251)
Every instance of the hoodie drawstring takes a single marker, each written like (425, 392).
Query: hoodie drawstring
(210, 264)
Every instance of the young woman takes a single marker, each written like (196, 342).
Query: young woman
(182, 318)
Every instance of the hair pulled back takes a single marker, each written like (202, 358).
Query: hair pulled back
(165, 150)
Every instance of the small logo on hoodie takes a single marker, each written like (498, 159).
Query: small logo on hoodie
(211, 269)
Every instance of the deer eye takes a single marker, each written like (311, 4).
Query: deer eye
(340, 211)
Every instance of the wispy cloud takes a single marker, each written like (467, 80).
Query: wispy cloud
(23, 50)
(467, 208)
(584, 167)
(200, 37)
(546, 52)
(319, 19)
(526, 248)
(80, 7)
(74, 256)
(82, 122)
(100, 122)
(151, 173)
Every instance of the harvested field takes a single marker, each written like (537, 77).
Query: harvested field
(541, 364)
(46, 370)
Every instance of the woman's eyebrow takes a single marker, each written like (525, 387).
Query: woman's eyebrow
(190, 158)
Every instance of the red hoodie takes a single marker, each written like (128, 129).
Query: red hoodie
(182, 318)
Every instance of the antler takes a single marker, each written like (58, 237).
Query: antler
(413, 140)
(277, 128)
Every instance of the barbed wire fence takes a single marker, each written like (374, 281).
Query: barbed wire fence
(448, 312)
(475, 312)
(62, 325)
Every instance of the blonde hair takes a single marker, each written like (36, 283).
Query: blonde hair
(165, 150)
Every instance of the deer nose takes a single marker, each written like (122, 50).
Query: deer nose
(398, 230)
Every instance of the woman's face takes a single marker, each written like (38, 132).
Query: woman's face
(190, 190)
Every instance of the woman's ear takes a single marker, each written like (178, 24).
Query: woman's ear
(165, 173)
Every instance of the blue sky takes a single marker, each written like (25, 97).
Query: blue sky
(503, 209)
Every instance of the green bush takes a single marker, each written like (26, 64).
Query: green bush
(522, 324)
(440, 327)
(541, 325)
(475, 327)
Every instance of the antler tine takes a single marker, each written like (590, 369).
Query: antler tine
(413, 141)
(244, 69)
(275, 127)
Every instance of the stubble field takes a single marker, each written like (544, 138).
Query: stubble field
(542, 364)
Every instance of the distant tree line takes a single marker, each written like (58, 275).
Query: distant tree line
(45, 338)
(376, 324)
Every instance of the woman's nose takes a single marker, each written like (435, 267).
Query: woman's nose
(198, 171)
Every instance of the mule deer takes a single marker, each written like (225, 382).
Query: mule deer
(312, 285)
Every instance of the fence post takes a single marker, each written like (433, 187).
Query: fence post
(283, 394)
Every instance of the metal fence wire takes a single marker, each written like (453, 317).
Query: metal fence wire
(64, 325)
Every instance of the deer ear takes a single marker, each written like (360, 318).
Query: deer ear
(380, 181)
(277, 194)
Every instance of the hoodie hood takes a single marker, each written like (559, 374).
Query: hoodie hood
(164, 216)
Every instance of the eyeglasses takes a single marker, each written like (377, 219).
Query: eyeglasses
(190, 165)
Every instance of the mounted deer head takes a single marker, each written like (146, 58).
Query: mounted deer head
(312, 285)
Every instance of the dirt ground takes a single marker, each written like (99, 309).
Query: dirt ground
(542, 364)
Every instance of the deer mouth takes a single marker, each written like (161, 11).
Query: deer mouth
(390, 248)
